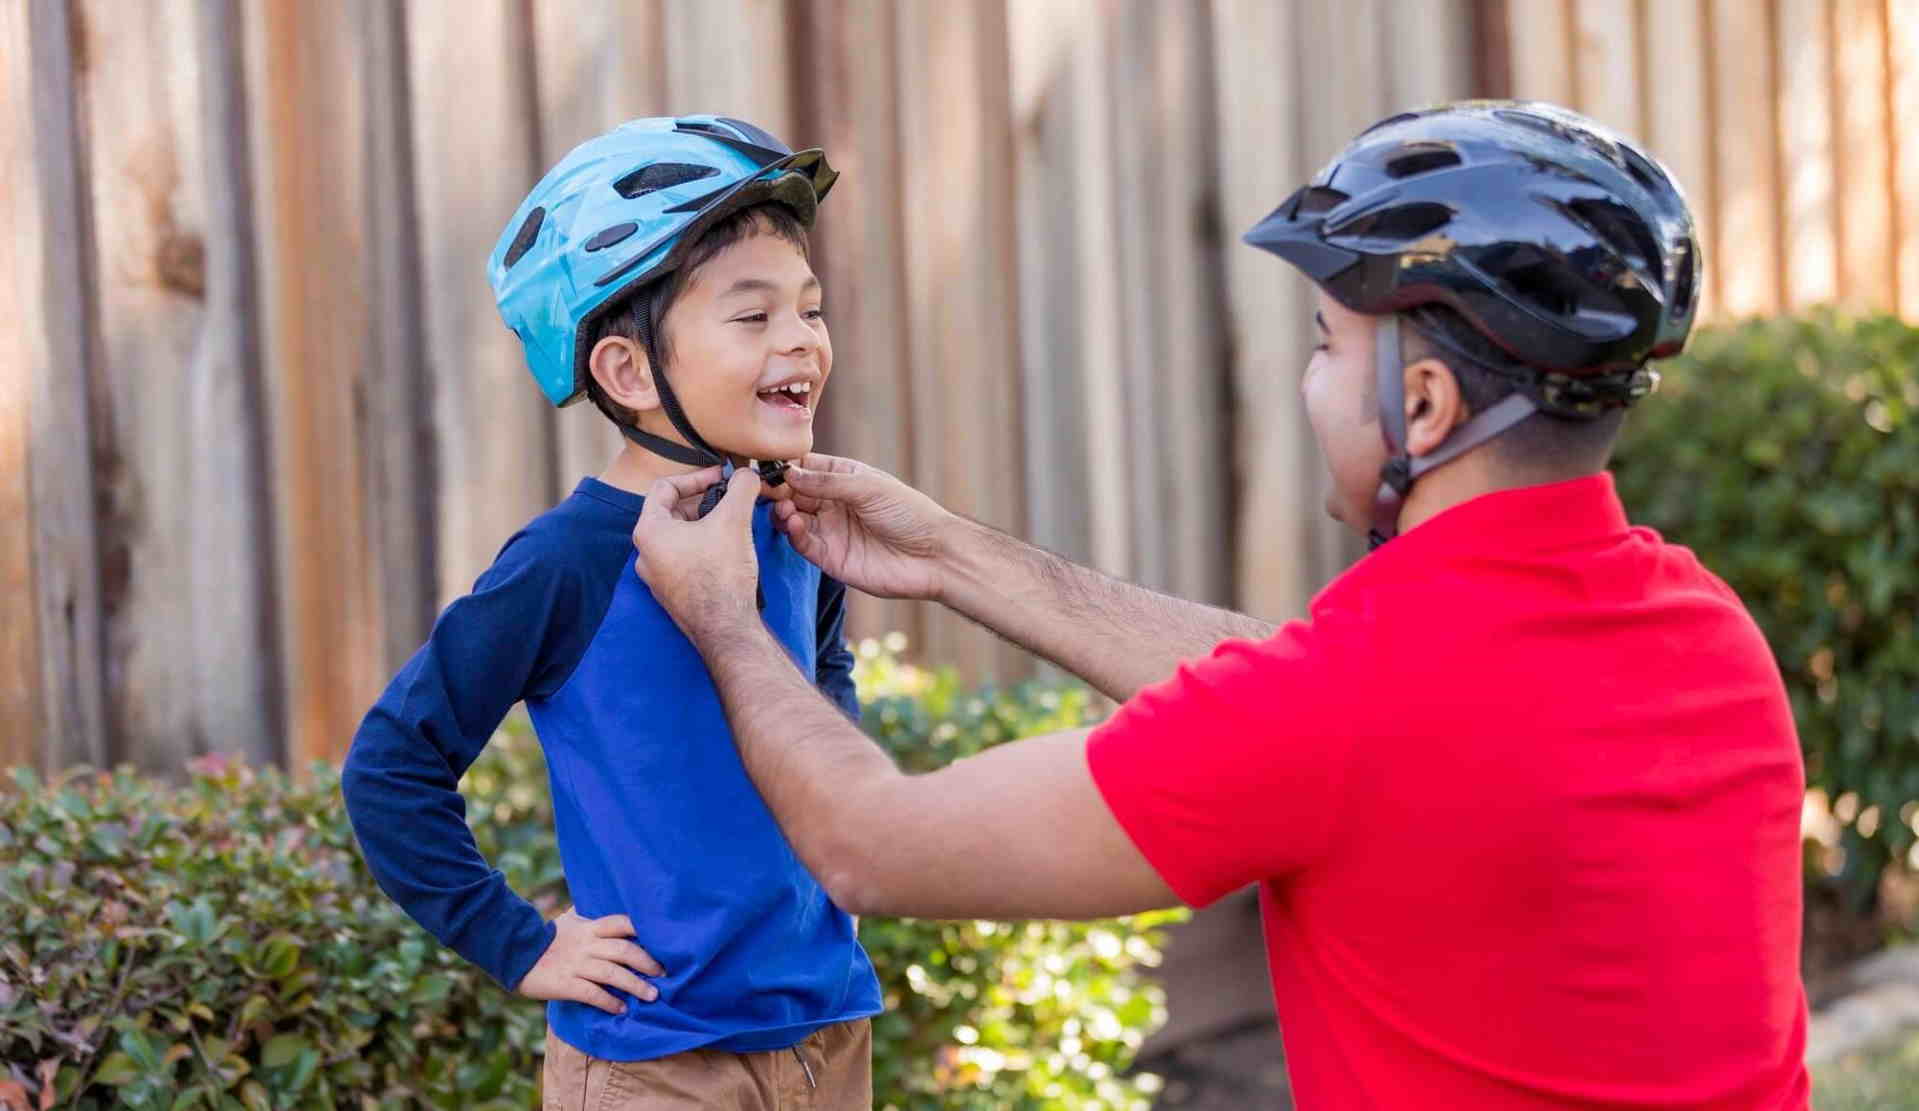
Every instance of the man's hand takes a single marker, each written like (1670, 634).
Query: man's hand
(703, 572)
(587, 953)
(866, 528)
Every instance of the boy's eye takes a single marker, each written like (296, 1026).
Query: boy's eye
(751, 318)
(816, 314)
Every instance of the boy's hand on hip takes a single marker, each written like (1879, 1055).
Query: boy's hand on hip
(586, 957)
(865, 528)
(703, 572)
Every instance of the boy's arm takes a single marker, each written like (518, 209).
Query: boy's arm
(833, 673)
(401, 778)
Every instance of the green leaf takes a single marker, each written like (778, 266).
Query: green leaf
(117, 1070)
(140, 1049)
(278, 955)
(282, 1049)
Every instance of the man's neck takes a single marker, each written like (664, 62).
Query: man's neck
(1472, 475)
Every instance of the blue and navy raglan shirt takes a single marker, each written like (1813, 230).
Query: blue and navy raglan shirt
(657, 819)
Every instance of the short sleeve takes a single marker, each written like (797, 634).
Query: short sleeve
(1233, 770)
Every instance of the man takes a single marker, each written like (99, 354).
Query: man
(1522, 794)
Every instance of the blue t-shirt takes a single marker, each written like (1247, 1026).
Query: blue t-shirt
(656, 817)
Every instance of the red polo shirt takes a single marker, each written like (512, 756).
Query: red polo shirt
(1522, 799)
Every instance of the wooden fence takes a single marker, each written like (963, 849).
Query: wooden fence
(259, 418)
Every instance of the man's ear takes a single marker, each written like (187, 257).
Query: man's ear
(622, 369)
(1434, 405)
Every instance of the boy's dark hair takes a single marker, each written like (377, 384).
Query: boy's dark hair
(1544, 443)
(648, 304)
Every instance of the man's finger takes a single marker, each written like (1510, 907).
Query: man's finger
(737, 503)
(613, 925)
(676, 488)
(833, 464)
(824, 485)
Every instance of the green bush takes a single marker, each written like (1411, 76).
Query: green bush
(221, 945)
(1786, 453)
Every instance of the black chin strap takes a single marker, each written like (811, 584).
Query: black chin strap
(1396, 477)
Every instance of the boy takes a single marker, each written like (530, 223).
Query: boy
(660, 270)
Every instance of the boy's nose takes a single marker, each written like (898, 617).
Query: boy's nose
(795, 334)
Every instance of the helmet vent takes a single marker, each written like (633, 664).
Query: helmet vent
(660, 175)
(1644, 172)
(1416, 160)
(1317, 200)
(1682, 283)
(1543, 285)
(607, 237)
(1399, 224)
(523, 239)
(1622, 230)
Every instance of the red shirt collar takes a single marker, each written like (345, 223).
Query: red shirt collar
(1581, 512)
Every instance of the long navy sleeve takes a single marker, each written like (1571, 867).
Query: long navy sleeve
(489, 650)
(834, 672)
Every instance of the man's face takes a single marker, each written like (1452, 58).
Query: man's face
(1341, 397)
(748, 324)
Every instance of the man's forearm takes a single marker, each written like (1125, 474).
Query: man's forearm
(807, 760)
(1116, 636)
(1020, 831)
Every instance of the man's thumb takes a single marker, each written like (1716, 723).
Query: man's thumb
(740, 492)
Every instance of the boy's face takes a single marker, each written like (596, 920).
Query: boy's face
(747, 350)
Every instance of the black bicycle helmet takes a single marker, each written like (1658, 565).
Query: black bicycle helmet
(1560, 243)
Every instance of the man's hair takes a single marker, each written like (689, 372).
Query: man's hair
(647, 306)
(1543, 444)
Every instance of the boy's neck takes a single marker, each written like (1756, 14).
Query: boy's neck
(636, 469)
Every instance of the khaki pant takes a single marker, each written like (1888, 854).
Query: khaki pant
(832, 1070)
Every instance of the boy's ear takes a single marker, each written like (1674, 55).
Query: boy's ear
(1434, 404)
(622, 369)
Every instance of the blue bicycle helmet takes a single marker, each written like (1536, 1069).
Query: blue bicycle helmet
(617, 214)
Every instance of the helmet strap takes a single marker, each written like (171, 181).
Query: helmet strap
(1401, 469)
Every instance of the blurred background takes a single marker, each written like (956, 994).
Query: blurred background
(259, 419)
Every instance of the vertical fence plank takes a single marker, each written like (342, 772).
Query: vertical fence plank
(1606, 64)
(1902, 138)
(402, 475)
(1431, 51)
(56, 259)
(848, 105)
(309, 176)
(1189, 361)
(148, 209)
(1679, 121)
(960, 282)
(472, 101)
(1863, 206)
(597, 65)
(1257, 83)
(1804, 60)
(1542, 58)
(730, 57)
(20, 303)
(1125, 67)
(1067, 325)
(235, 647)
(1745, 93)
